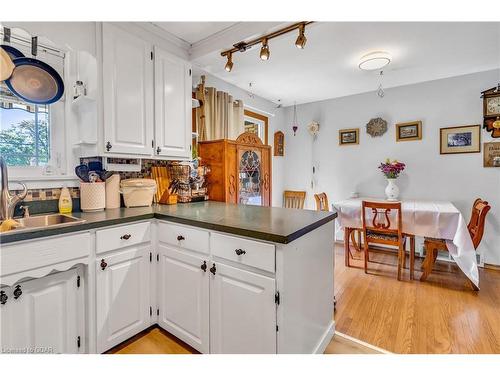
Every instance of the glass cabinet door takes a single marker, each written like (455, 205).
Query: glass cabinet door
(250, 177)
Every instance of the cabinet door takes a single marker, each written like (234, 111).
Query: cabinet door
(123, 304)
(172, 106)
(242, 312)
(184, 297)
(128, 92)
(47, 316)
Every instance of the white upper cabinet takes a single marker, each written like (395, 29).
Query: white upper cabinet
(127, 92)
(172, 105)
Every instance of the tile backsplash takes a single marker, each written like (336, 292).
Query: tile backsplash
(47, 194)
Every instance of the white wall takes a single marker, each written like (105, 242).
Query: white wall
(429, 175)
(256, 104)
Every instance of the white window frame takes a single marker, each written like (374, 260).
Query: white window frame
(38, 176)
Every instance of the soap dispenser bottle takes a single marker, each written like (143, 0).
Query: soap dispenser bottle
(65, 201)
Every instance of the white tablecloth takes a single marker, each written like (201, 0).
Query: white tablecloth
(424, 219)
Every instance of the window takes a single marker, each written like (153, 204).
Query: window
(24, 131)
(256, 123)
(33, 137)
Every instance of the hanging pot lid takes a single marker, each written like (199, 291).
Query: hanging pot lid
(6, 65)
(35, 81)
(14, 53)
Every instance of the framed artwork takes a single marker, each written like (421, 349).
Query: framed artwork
(348, 137)
(491, 157)
(256, 123)
(460, 139)
(409, 131)
(279, 143)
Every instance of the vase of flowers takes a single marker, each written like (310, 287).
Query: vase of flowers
(391, 170)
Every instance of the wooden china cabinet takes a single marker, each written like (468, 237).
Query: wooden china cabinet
(240, 171)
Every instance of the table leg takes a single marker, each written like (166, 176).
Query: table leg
(430, 259)
(346, 246)
(412, 257)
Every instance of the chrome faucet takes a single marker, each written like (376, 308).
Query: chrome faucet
(8, 201)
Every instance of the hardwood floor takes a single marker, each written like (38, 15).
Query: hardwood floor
(155, 340)
(440, 315)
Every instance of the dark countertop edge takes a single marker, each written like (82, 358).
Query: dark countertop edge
(16, 237)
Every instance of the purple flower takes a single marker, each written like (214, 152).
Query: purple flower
(392, 169)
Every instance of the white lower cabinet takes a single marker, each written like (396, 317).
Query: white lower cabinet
(183, 287)
(242, 311)
(122, 295)
(44, 315)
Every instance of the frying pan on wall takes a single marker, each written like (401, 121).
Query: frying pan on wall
(35, 81)
(13, 53)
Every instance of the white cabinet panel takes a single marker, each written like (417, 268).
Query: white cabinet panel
(242, 311)
(46, 317)
(172, 105)
(127, 92)
(123, 308)
(184, 237)
(184, 297)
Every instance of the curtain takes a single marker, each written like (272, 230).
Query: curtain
(220, 116)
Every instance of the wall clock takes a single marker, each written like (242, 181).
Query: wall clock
(491, 111)
(376, 127)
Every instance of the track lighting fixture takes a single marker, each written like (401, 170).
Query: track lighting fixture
(229, 64)
(301, 39)
(243, 46)
(264, 51)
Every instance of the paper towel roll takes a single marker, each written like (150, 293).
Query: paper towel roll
(113, 191)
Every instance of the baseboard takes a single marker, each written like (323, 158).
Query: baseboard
(325, 340)
(362, 343)
(494, 267)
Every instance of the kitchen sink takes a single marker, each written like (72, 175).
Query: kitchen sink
(46, 222)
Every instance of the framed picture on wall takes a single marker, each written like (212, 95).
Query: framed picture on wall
(491, 154)
(348, 137)
(460, 139)
(409, 131)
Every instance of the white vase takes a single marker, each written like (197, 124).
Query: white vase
(392, 190)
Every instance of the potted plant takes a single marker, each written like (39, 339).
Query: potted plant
(391, 170)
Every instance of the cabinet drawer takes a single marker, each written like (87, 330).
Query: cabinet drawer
(44, 252)
(251, 253)
(184, 237)
(119, 237)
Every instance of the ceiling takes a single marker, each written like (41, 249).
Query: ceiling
(194, 32)
(328, 66)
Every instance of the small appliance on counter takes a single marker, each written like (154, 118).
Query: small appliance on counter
(138, 192)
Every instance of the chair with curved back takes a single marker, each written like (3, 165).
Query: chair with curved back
(378, 229)
(294, 199)
(321, 202)
(476, 230)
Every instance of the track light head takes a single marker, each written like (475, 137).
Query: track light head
(229, 64)
(264, 51)
(301, 39)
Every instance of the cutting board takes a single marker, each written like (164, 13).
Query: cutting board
(160, 175)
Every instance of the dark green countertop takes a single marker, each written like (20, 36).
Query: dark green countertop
(281, 225)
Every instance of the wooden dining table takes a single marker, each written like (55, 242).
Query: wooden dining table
(423, 218)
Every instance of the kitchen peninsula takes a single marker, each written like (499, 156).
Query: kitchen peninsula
(223, 278)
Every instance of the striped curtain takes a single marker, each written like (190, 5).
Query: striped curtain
(220, 116)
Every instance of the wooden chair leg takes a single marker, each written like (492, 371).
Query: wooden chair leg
(404, 255)
(401, 254)
(412, 257)
(430, 258)
(366, 256)
(346, 246)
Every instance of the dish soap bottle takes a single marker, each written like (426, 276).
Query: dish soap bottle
(65, 201)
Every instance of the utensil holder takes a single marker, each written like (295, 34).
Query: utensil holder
(92, 196)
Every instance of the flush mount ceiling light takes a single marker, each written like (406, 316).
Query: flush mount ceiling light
(374, 60)
(264, 51)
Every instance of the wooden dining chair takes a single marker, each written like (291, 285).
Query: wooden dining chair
(380, 231)
(294, 199)
(321, 202)
(476, 230)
